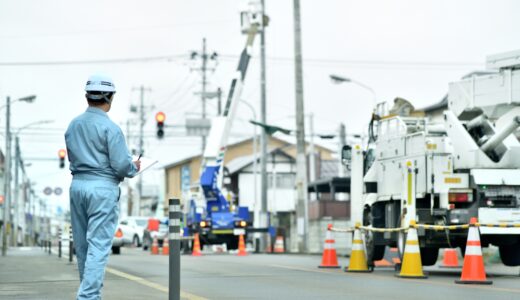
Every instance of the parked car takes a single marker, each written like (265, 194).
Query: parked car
(154, 230)
(133, 228)
(118, 241)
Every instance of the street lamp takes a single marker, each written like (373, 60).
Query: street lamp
(340, 79)
(17, 161)
(7, 165)
(256, 213)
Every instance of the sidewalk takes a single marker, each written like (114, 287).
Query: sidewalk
(29, 273)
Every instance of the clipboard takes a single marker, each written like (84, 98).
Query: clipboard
(146, 163)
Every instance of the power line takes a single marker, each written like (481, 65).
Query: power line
(376, 63)
(280, 59)
(168, 58)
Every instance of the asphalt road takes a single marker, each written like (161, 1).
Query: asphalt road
(264, 276)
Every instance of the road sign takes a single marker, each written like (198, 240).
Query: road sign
(58, 191)
(47, 191)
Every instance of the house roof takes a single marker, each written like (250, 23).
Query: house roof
(248, 140)
(242, 162)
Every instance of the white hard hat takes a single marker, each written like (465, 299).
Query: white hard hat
(100, 83)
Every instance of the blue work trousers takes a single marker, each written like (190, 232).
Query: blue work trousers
(94, 211)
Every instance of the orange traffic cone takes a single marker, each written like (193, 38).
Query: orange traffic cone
(473, 269)
(358, 259)
(450, 259)
(390, 259)
(196, 246)
(412, 264)
(278, 245)
(241, 246)
(329, 258)
(155, 247)
(165, 247)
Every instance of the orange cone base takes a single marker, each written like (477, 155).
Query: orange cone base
(370, 270)
(329, 267)
(473, 282)
(242, 254)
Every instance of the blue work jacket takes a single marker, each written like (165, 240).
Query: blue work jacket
(97, 149)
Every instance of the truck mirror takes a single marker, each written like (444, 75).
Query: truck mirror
(346, 154)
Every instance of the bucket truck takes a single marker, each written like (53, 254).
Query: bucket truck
(443, 172)
(210, 213)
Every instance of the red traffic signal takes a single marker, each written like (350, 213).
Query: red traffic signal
(62, 153)
(160, 117)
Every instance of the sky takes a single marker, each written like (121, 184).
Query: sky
(400, 48)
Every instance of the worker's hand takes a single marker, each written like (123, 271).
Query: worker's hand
(137, 164)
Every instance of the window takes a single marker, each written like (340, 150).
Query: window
(283, 181)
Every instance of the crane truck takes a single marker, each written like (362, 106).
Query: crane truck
(445, 170)
(210, 213)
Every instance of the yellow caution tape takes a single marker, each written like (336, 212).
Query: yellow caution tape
(426, 227)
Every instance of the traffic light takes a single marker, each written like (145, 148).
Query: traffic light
(160, 117)
(61, 154)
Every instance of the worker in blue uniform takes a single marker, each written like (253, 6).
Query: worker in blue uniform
(99, 161)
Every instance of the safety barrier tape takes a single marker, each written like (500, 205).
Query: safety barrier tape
(441, 227)
(426, 227)
(501, 225)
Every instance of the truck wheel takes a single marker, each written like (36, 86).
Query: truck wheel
(429, 256)
(510, 255)
(374, 252)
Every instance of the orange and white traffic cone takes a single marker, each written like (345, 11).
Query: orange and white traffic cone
(278, 245)
(165, 247)
(241, 246)
(450, 259)
(358, 259)
(473, 269)
(412, 264)
(155, 247)
(196, 246)
(329, 258)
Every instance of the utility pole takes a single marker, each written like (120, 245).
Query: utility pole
(312, 154)
(219, 97)
(205, 57)
(301, 165)
(142, 121)
(129, 200)
(204, 83)
(7, 174)
(263, 136)
(16, 217)
(342, 142)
